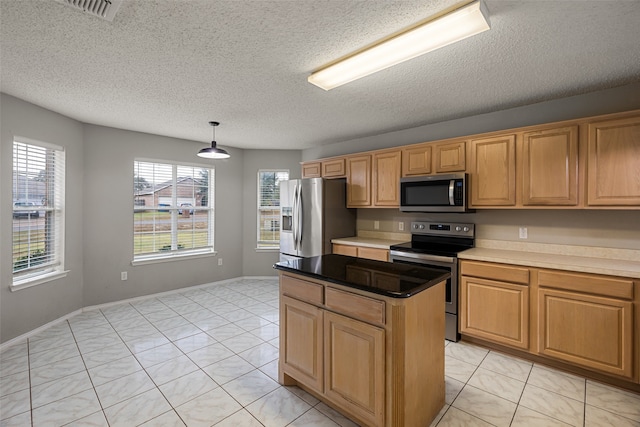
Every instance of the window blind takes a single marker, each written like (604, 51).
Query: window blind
(269, 207)
(173, 209)
(38, 204)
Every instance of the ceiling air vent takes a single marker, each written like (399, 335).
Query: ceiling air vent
(104, 9)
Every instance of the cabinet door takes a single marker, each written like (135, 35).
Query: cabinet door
(614, 163)
(334, 168)
(450, 157)
(591, 331)
(355, 367)
(301, 340)
(416, 161)
(386, 179)
(493, 171)
(311, 170)
(493, 310)
(359, 181)
(550, 167)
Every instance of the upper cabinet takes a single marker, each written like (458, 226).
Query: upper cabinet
(311, 169)
(434, 157)
(386, 178)
(590, 163)
(373, 180)
(550, 167)
(493, 171)
(359, 181)
(614, 163)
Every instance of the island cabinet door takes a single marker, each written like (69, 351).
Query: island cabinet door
(301, 342)
(355, 367)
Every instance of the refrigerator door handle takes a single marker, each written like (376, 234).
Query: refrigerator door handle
(294, 219)
(300, 217)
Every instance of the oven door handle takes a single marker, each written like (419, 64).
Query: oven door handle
(416, 258)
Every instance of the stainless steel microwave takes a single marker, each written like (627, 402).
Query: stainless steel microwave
(434, 193)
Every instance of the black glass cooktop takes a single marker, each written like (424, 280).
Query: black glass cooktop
(395, 280)
(445, 246)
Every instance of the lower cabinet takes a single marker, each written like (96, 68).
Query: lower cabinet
(585, 320)
(377, 360)
(302, 325)
(355, 366)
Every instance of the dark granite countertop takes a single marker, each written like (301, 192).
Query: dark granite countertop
(394, 280)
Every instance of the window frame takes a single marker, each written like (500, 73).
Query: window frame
(55, 212)
(175, 254)
(261, 245)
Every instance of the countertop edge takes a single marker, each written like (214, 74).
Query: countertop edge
(368, 242)
(610, 267)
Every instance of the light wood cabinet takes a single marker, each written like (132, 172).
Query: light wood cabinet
(431, 157)
(386, 178)
(359, 181)
(302, 342)
(550, 167)
(449, 157)
(356, 385)
(312, 170)
(416, 160)
(614, 163)
(493, 171)
(361, 252)
(382, 358)
(581, 323)
(334, 168)
(495, 307)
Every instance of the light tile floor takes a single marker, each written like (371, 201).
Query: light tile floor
(208, 356)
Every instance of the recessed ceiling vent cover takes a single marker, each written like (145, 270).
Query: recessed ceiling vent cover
(103, 9)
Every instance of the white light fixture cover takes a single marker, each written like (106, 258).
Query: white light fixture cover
(213, 152)
(457, 25)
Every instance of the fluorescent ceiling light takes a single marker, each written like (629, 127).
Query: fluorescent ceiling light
(457, 25)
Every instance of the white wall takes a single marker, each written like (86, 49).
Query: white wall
(30, 308)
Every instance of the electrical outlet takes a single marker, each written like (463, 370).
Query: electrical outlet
(524, 234)
(123, 275)
(376, 225)
(219, 261)
(401, 226)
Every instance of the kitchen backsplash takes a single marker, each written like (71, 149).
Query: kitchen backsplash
(609, 229)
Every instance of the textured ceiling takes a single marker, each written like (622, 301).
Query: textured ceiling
(168, 67)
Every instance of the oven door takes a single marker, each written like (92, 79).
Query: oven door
(448, 264)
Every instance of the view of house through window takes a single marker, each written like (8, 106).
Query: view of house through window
(172, 209)
(269, 207)
(38, 201)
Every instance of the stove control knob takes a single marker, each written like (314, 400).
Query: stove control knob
(458, 228)
(421, 226)
(466, 229)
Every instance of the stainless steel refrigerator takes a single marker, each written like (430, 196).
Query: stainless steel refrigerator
(312, 212)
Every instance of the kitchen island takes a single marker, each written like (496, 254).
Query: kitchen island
(365, 337)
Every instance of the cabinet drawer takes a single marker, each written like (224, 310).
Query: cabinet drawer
(495, 272)
(373, 253)
(587, 283)
(301, 289)
(357, 306)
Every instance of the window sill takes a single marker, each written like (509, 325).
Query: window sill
(173, 257)
(37, 280)
(267, 249)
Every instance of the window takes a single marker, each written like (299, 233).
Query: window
(38, 212)
(172, 210)
(269, 207)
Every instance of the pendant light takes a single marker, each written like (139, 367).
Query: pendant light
(213, 152)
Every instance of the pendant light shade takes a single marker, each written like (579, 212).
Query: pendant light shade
(213, 152)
